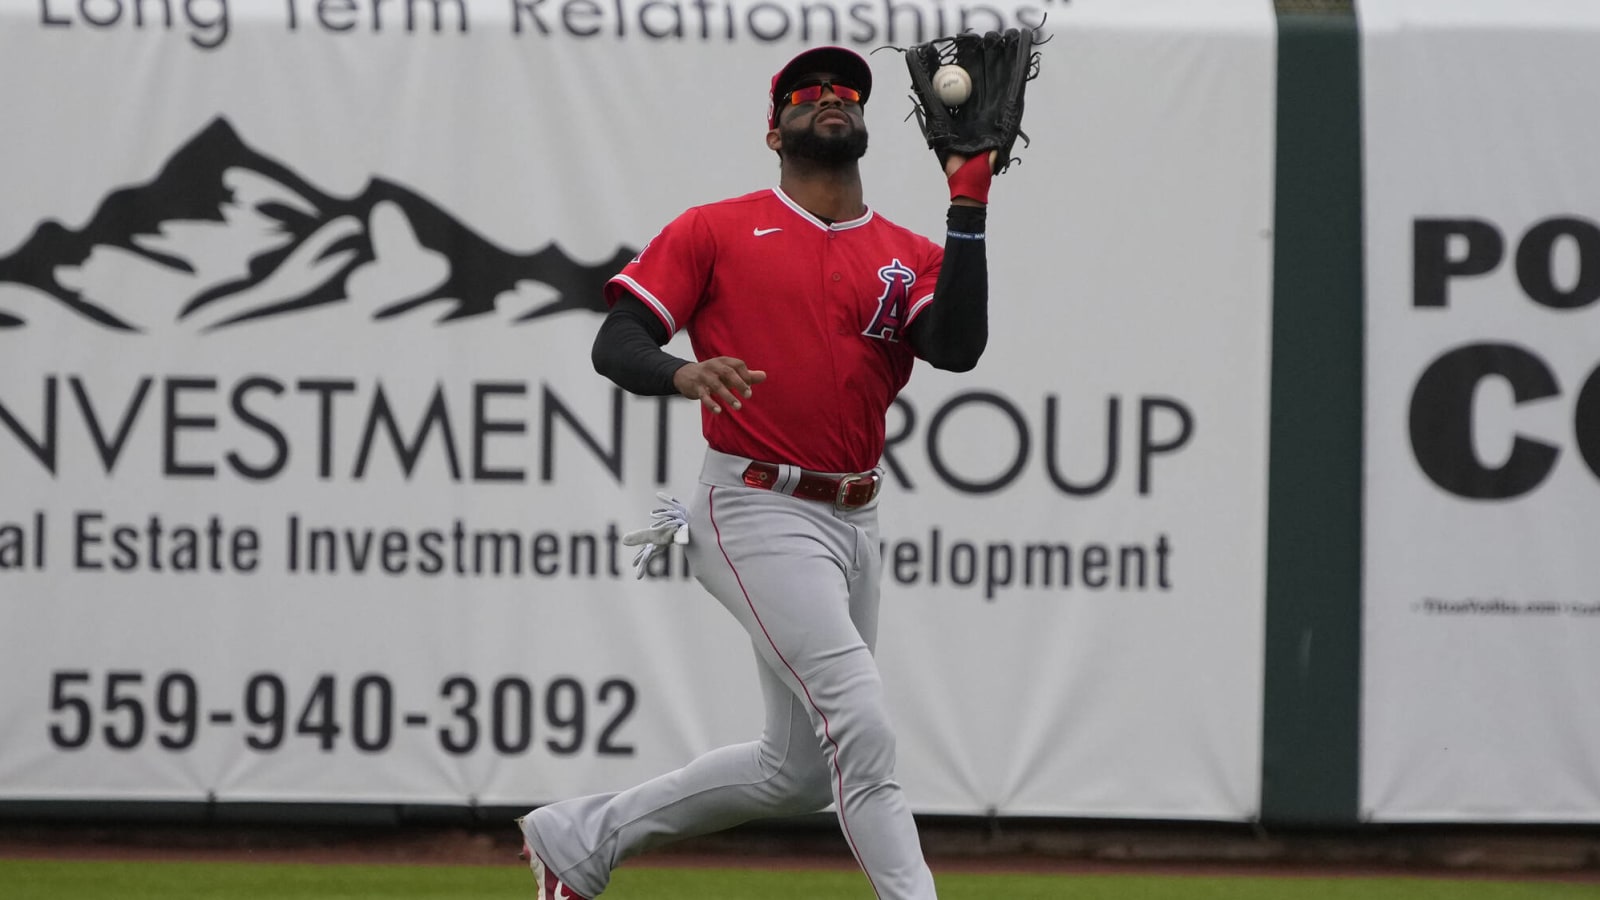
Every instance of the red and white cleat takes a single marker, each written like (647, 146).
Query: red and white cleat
(548, 885)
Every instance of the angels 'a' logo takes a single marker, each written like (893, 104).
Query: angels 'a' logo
(894, 304)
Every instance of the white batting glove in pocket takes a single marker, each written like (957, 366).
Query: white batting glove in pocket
(669, 524)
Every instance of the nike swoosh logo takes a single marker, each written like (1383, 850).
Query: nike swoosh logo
(561, 893)
(764, 231)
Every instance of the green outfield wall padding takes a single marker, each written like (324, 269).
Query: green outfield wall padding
(1311, 728)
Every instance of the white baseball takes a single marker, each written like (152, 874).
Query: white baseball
(952, 84)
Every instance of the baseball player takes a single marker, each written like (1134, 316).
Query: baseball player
(806, 310)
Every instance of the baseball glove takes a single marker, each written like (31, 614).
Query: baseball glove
(1000, 65)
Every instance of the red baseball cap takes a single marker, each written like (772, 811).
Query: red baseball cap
(845, 63)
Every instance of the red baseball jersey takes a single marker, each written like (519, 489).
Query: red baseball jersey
(822, 309)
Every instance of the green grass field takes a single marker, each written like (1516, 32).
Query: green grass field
(59, 880)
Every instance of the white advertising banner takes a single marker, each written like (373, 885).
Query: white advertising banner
(1482, 596)
(308, 491)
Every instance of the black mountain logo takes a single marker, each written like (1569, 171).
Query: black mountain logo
(232, 236)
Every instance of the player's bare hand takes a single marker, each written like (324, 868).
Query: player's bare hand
(718, 383)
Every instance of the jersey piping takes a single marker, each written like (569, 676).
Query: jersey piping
(917, 306)
(837, 226)
(644, 294)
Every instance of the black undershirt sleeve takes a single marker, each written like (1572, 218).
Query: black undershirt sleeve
(952, 331)
(628, 351)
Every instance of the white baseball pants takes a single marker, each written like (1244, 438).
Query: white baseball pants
(802, 578)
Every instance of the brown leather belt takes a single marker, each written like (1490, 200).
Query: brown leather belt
(843, 491)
